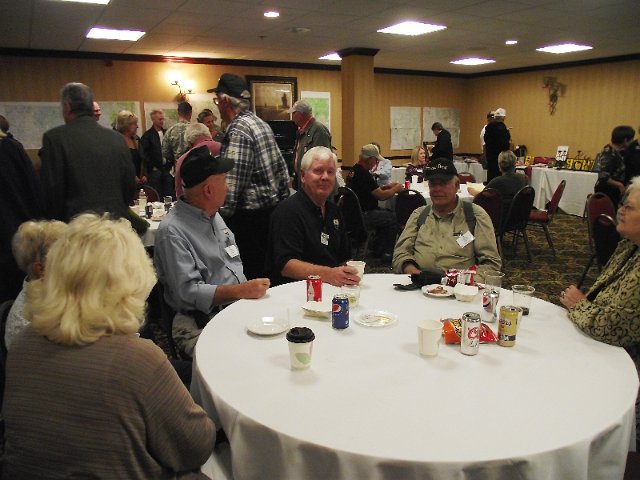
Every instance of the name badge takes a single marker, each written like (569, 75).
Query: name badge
(465, 239)
(324, 238)
(232, 251)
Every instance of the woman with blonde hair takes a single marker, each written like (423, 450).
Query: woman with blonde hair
(85, 396)
(30, 245)
(418, 162)
(127, 125)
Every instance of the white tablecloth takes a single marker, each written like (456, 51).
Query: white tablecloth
(557, 405)
(398, 174)
(473, 167)
(423, 188)
(579, 185)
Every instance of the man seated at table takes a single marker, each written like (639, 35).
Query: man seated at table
(308, 235)
(381, 220)
(509, 183)
(454, 234)
(196, 256)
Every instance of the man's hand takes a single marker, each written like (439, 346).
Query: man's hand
(255, 288)
(342, 275)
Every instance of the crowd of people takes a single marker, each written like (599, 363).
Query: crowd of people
(240, 224)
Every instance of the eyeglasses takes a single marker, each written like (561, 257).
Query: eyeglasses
(216, 100)
(627, 208)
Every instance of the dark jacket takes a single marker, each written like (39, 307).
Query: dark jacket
(443, 147)
(152, 148)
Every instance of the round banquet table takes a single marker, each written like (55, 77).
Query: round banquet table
(557, 405)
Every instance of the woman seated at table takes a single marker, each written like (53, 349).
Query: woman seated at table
(30, 245)
(609, 310)
(86, 397)
(509, 183)
(418, 162)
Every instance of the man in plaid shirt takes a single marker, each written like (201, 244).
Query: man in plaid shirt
(259, 180)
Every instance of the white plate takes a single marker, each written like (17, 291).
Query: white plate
(268, 325)
(378, 318)
(447, 293)
(317, 309)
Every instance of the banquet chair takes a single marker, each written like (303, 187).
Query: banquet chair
(605, 238)
(543, 218)
(517, 218)
(4, 313)
(152, 194)
(406, 202)
(598, 203)
(491, 200)
(466, 177)
(358, 232)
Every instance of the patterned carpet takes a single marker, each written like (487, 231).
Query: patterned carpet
(548, 274)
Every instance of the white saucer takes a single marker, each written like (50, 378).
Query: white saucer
(447, 293)
(317, 309)
(268, 325)
(377, 318)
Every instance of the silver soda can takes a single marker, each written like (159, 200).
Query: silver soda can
(490, 306)
(470, 341)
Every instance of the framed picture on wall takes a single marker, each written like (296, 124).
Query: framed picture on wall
(272, 97)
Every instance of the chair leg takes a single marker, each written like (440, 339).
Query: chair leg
(526, 243)
(549, 241)
(586, 270)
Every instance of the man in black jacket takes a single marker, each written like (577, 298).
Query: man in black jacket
(151, 141)
(443, 147)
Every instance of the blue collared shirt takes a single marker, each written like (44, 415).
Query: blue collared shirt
(192, 257)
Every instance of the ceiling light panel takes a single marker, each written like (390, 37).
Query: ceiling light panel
(564, 48)
(472, 61)
(111, 34)
(412, 28)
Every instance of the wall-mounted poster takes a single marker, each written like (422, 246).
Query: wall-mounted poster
(405, 127)
(272, 97)
(321, 105)
(448, 117)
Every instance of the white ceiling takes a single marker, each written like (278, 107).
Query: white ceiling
(236, 29)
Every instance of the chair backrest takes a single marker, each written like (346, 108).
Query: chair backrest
(466, 177)
(555, 199)
(598, 203)
(605, 237)
(152, 194)
(350, 207)
(518, 216)
(406, 202)
(491, 200)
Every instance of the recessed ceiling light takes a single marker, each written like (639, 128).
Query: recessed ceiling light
(564, 48)
(330, 56)
(99, 2)
(110, 34)
(271, 14)
(472, 61)
(511, 42)
(412, 28)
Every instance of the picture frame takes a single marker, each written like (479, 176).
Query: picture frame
(272, 97)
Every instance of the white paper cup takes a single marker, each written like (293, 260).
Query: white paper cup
(358, 265)
(300, 355)
(414, 179)
(429, 335)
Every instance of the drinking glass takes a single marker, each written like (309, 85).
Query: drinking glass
(493, 280)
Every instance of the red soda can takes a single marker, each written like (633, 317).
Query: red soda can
(452, 277)
(407, 184)
(314, 288)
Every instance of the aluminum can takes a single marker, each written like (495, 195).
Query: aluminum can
(314, 288)
(340, 312)
(470, 340)
(508, 326)
(407, 184)
(148, 210)
(452, 277)
(467, 277)
(490, 306)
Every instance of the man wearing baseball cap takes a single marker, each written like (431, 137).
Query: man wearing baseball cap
(311, 133)
(449, 233)
(496, 139)
(259, 180)
(196, 255)
(381, 220)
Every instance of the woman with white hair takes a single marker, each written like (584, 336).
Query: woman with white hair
(196, 135)
(608, 312)
(86, 397)
(30, 245)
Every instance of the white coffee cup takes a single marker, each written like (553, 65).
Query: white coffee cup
(414, 179)
(358, 265)
(429, 335)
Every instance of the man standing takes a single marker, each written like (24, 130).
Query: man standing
(196, 255)
(97, 111)
(483, 159)
(311, 133)
(381, 220)
(496, 139)
(151, 141)
(85, 167)
(454, 234)
(259, 180)
(174, 144)
(308, 235)
(443, 147)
